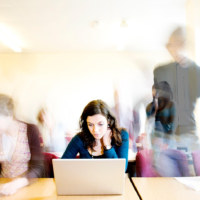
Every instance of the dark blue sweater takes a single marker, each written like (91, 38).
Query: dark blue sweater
(77, 146)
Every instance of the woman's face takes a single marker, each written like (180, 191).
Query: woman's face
(97, 125)
(4, 123)
(154, 92)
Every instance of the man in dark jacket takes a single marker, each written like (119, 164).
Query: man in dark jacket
(183, 75)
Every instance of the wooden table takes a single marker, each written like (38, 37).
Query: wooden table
(45, 189)
(131, 156)
(164, 189)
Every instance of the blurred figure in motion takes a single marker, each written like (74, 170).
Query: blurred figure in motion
(162, 113)
(53, 134)
(124, 116)
(20, 152)
(183, 76)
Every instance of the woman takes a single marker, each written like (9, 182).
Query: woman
(99, 137)
(163, 111)
(52, 133)
(20, 152)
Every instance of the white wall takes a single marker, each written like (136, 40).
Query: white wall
(65, 83)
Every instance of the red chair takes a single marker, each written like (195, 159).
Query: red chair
(144, 161)
(196, 161)
(48, 166)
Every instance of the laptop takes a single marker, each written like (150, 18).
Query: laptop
(89, 176)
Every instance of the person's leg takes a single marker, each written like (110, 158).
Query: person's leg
(167, 165)
(188, 141)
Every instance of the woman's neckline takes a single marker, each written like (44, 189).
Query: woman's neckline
(99, 156)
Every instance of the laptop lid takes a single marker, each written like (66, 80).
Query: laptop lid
(89, 176)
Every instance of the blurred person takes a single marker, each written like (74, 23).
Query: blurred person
(124, 116)
(163, 111)
(172, 163)
(183, 76)
(52, 133)
(20, 152)
(99, 135)
(129, 109)
(167, 161)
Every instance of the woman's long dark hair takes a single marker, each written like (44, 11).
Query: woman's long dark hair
(93, 108)
(165, 92)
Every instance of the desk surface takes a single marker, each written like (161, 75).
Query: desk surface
(164, 188)
(45, 189)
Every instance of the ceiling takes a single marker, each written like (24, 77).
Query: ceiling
(44, 26)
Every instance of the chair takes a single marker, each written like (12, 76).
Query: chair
(144, 161)
(172, 163)
(78, 156)
(48, 166)
(196, 161)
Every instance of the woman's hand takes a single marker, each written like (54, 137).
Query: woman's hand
(156, 104)
(8, 188)
(12, 187)
(106, 139)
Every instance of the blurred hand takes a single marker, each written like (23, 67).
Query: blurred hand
(12, 187)
(8, 188)
(106, 139)
(156, 104)
(48, 120)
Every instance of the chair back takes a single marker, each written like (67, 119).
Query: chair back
(48, 166)
(144, 164)
(196, 161)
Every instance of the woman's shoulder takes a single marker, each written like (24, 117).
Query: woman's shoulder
(31, 126)
(77, 138)
(171, 104)
(32, 129)
(32, 132)
(27, 125)
(124, 134)
(149, 107)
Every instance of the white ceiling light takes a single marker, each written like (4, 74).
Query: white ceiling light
(121, 32)
(123, 24)
(9, 40)
(96, 24)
